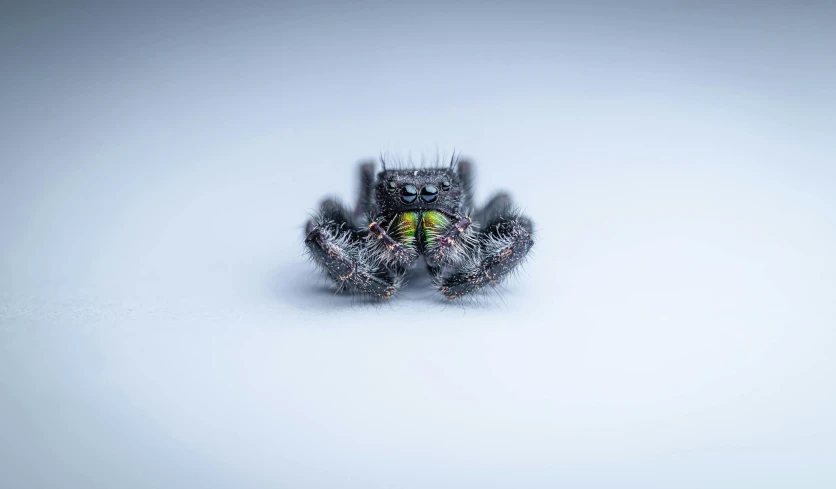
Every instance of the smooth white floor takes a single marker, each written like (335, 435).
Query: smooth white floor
(160, 327)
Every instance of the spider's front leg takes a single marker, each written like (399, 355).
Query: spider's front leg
(502, 246)
(339, 249)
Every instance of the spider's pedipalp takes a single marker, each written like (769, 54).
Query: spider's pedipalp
(389, 251)
(454, 245)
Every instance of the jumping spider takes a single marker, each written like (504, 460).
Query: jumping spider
(404, 213)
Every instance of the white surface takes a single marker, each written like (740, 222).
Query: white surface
(160, 327)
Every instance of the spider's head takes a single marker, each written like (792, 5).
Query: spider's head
(405, 190)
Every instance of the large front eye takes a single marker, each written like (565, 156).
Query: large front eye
(429, 193)
(409, 193)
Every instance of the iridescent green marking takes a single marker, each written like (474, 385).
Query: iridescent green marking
(435, 224)
(405, 226)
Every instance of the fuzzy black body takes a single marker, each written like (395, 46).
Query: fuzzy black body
(407, 212)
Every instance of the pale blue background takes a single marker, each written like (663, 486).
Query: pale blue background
(673, 328)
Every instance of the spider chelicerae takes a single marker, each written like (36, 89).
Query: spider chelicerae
(404, 213)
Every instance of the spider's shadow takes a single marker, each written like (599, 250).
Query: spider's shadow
(299, 286)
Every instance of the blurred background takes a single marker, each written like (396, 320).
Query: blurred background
(674, 327)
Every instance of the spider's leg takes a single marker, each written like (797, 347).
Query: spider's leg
(365, 197)
(467, 177)
(346, 270)
(498, 205)
(503, 244)
(331, 210)
(340, 250)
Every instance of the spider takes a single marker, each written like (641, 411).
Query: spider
(405, 213)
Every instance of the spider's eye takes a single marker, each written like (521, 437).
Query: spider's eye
(445, 185)
(392, 185)
(409, 193)
(429, 193)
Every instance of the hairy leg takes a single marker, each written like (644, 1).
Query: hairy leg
(467, 176)
(498, 205)
(503, 245)
(340, 250)
(365, 197)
